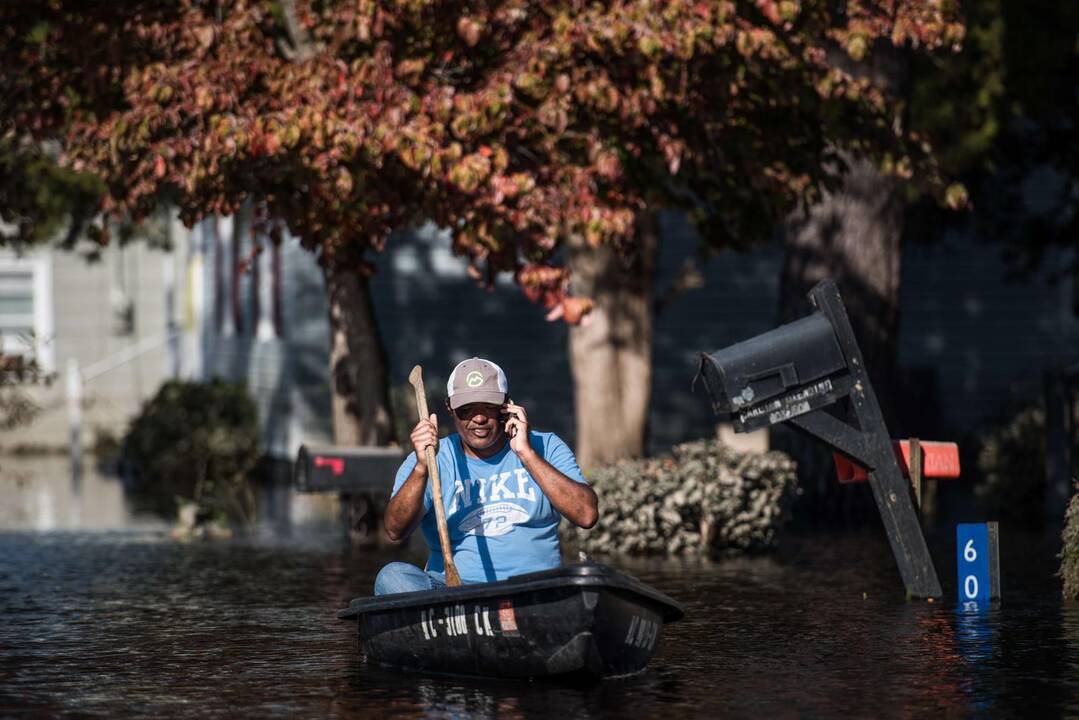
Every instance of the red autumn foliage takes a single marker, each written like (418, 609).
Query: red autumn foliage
(514, 124)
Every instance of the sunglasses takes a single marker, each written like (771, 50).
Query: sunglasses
(467, 412)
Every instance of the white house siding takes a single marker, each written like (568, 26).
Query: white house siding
(83, 302)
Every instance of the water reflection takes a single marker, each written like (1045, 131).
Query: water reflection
(976, 630)
(1069, 618)
(976, 640)
(42, 493)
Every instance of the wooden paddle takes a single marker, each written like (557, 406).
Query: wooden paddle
(452, 578)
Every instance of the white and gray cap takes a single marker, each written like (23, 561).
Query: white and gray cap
(476, 381)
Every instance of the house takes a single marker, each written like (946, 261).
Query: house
(208, 306)
(107, 318)
(228, 301)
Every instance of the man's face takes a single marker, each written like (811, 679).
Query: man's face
(478, 425)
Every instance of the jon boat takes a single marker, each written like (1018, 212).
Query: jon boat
(584, 619)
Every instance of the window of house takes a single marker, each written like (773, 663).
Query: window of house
(26, 308)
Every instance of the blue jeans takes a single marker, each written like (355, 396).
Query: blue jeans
(400, 577)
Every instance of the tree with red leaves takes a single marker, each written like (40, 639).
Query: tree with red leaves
(522, 127)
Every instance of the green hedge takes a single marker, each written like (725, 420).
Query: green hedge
(196, 441)
(1012, 466)
(702, 497)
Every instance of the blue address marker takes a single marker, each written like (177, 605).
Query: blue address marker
(977, 564)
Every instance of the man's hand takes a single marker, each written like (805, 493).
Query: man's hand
(423, 435)
(516, 428)
(405, 509)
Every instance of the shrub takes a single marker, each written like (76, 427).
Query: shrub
(702, 497)
(17, 372)
(106, 448)
(1012, 465)
(196, 441)
(1069, 556)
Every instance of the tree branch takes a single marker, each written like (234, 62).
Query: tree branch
(302, 47)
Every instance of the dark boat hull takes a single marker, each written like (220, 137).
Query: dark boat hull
(579, 619)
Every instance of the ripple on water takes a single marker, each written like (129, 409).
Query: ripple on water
(134, 625)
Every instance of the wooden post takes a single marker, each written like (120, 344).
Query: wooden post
(916, 472)
(890, 489)
(74, 417)
(172, 329)
(994, 560)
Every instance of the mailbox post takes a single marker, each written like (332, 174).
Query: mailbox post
(810, 373)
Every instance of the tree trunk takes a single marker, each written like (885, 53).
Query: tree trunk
(611, 354)
(854, 237)
(358, 367)
(359, 388)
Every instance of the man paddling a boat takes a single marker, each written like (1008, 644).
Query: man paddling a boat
(505, 488)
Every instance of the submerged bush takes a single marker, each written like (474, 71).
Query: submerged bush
(196, 441)
(1012, 465)
(1069, 556)
(1012, 462)
(702, 497)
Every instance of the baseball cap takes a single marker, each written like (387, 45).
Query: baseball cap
(476, 380)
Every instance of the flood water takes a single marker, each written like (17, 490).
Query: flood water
(127, 622)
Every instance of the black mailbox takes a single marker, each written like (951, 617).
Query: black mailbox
(347, 470)
(778, 375)
(794, 373)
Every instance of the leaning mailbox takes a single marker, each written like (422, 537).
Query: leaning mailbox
(773, 377)
(810, 373)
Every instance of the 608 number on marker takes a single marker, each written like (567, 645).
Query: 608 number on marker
(970, 584)
(972, 542)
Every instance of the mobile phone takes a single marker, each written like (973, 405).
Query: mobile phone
(504, 417)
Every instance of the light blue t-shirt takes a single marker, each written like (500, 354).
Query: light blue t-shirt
(500, 522)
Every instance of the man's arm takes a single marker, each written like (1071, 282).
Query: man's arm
(406, 508)
(575, 501)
